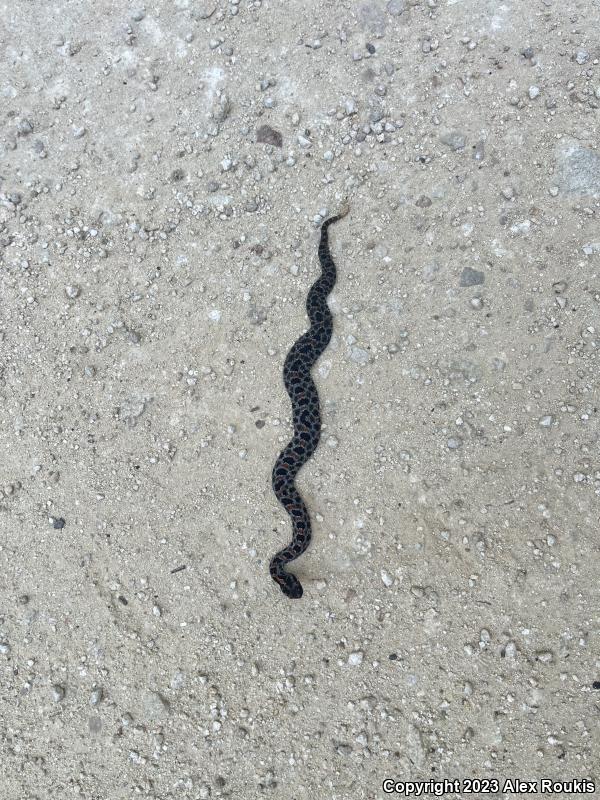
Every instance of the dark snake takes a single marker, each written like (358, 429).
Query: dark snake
(306, 415)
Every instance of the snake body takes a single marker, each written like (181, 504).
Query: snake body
(306, 415)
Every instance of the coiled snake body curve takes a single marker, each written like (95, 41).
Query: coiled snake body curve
(306, 415)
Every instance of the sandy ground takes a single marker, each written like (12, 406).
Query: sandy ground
(163, 173)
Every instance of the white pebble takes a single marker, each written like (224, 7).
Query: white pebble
(72, 291)
(386, 578)
(546, 657)
(360, 356)
(510, 650)
(96, 696)
(58, 693)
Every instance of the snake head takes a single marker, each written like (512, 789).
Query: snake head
(344, 209)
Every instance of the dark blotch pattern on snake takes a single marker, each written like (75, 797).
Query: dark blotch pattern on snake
(306, 415)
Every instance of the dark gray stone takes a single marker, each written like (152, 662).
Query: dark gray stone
(471, 277)
(267, 135)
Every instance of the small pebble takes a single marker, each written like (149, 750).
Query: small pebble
(156, 705)
(360, 356)
(510, 650)
(24, 127)
(454, 140)
(57, 693)
(471, 277)
(545, 656)
(72, 291)
(268, 135)
(386, 578)
(396, 7)
(96, 696)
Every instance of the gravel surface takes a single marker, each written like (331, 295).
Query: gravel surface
(163, 173)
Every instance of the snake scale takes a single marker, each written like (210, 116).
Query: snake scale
(306, 415)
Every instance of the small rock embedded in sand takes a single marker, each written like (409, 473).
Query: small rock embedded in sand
(156, 705)
(455, 140)
(471, 277)
(57, 693)
(579, 169)
(72, 291)
(267, 135)
(96, 696)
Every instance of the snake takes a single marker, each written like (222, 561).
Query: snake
(306, 415)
